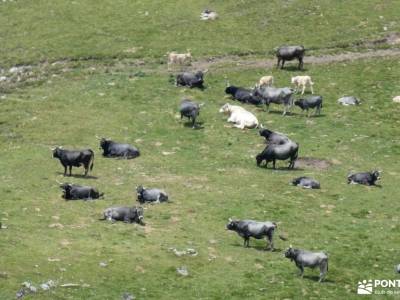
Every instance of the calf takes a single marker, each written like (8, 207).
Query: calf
(239, 116)
(303, 258)
(285, 53)
(151, 195)
(190, 110)
(306, 182)
(179, 58)
(113, 149)
(257, 230)
(367, 178)
(310, 102)
(275, 152)
(125, 214)
(243, 95)
(74, 158)
(274, 137)
(191, 79)
(266, 81)
(75, 192)
(302, 81)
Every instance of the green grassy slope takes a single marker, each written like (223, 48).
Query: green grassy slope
(210, 175)
(32, 31)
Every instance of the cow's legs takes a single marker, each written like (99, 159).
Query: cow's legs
(273, 163)
(312, 90)
(301, 270)
(65, 170)
(322, 273)
(300, 63)
(246, 242)
(86, 169)
(279, 61)
(70, 170)
(283, 63)
(303, 89)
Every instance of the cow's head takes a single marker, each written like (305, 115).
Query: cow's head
(265, 133)
(104, 143)
(139, 215)
(56, 152)
(232, 225)
(139, 190)
(231, 90)
(299, 103)
(290, 253)
(259, 159)
(376, 175)
(226, 108)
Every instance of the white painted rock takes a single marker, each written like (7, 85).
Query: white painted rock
(396, 99)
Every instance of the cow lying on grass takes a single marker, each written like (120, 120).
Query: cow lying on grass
(150, 195)
(239, 116)
(125, 214)
(306, 182)
(367, 178)
(76, 192)
(113, 149)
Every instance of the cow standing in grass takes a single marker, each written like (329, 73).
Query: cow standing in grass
(74, 158)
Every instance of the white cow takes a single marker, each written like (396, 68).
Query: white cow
(302, 81)
(266, 81)
(238, 115)
(179, 58)
(208, 15)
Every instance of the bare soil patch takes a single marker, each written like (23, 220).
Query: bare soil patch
(313, 163)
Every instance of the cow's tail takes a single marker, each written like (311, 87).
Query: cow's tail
(91, 162)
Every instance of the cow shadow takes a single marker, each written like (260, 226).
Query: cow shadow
(280, 169)
(280, 112)
(197, 126)
(260, 248)
(293, 68)
(78, 176)
(316, 278)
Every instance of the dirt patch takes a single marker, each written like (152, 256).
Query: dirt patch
(312, 163)
(390, 39)
(241, 62)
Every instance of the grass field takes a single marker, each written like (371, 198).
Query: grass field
(210, 174)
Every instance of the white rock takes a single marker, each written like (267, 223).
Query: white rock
(396, 99)
(182, 271)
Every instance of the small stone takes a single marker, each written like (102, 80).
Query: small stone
(396, 99)
(127, 296)
(182, 271)
(56, 225)
(103, 264)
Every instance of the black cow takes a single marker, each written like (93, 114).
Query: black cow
(310, 102)
(125, 214)
(285, 53)
(75, 192)
(367, 178)
(74, 158)
(281, 152)
(273, 137)
(113, 149)
(190, 79)
(190, 110)
(243, 95)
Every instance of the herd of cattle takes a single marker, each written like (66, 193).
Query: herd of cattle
(279, 147)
